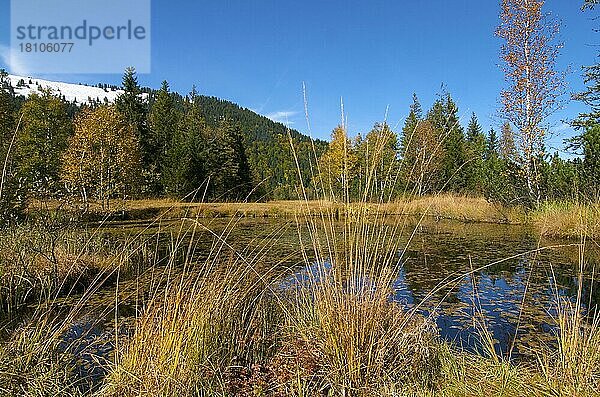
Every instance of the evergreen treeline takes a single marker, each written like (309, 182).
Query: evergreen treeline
(157, 143)
(149, 143)
(435, 153)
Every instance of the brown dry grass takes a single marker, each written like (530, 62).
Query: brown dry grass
(457, 207)
(447, 206)
(569, 220)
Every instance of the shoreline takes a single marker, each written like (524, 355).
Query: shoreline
(559, 220)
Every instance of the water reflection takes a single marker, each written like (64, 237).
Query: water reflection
(515, 299)
(514, 293)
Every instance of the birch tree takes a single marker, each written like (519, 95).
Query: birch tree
(533, 85)
(103, 158)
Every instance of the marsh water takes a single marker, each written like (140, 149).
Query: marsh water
(466, 276)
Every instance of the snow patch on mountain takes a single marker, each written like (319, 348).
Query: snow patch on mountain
(77, 93)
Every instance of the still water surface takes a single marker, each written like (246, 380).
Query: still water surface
(505, 276)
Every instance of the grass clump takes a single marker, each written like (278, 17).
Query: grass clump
(360, 340)
(35, 361)
(39, 263)
(567, 219)
(456, 207)
(467, 374)
(573, 369)
(191, 339)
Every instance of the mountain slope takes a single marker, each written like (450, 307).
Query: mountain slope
(267, 142)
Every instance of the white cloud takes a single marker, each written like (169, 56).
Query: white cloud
(281, 116)
(13, 62)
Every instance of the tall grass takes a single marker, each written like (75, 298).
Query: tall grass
(227, 323)
(37, 361)
(215, 316)
(574, 368)
(572, 220)
(189, 340)
(38, 264)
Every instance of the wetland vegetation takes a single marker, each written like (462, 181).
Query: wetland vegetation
(183, 246)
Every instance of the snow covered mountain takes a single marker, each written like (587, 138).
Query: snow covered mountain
(71, 92)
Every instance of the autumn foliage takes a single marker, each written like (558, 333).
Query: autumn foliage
(534, 86)
(103, 159)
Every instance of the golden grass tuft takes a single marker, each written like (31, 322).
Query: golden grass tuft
(571, 220)
(361, 339)
(574, 368)
(190, 337)
(456, 207)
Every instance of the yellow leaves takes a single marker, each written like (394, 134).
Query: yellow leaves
(103, 155)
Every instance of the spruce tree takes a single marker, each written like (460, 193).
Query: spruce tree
(493, 168)
(135, 111)
(476, 149)
(235, 168)
(163, 121)
(408, 139)
(12, 194)
(590, 144)
(414, 117)
(444, 116)
(184, 169)
(492, 144)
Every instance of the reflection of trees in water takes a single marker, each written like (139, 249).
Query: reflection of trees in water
(433, 257)
(497, 291)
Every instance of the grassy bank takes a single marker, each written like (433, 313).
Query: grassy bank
(569, 220)
(41, 262)
(226, 326)
(555, 219)
(446, 206)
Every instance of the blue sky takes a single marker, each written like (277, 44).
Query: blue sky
(373, 54)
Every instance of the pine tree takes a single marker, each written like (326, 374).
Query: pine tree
(560, 179)
(590, 97)
(590, 144)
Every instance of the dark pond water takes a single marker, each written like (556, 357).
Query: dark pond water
(506, 276)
